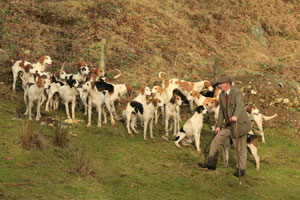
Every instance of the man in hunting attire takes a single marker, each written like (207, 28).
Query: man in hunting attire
(231, 111)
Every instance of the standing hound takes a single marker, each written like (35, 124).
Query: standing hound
(33, 93)
(160, 94)
(145, 113)
(82, 74)
(24, 69)
(173, 111)
(68, 94)
(43, 62)
(97, 98)
(255, 115)
(184, 86)
(252, 145)
(192, 128)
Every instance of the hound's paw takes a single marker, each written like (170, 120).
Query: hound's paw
(88, 125)
(177, 144)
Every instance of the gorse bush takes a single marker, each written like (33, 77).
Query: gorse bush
(31, 139)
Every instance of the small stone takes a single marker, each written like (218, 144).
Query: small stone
(286, 101)
(278, 100)
(27, 51)
(43, 124)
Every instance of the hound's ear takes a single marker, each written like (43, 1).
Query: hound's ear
(93, 84)
(78, 66)
(56, 74)
(173, 100)
(35, 77)
(248, 109)
(217, 102)
(155, 101)
(199, 109)
(129, 89)
(143, 90)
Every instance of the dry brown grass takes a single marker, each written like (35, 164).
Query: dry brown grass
(60, 138)
(175, 36)
(31, 138)
(83, 164)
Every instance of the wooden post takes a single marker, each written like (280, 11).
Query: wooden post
(215, 67)
(103, 53)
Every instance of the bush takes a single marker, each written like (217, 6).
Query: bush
(31, 139)
(60, 137)
(83, 163)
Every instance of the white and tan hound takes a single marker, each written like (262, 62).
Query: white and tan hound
(144, 112)
(172, 112)
(98, 99)
(252, 145)
(184, 86)
(160, 94)
(33, 93)
(255, 115)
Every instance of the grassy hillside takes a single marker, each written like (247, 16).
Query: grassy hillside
(107, 163)
(184, 38)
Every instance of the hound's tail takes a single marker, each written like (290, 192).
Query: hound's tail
(117, 76)
(160, 77)
(266, 118)
(8, 58)
(63, 66)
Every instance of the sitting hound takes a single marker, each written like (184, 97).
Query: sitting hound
(98, 99)
(145, 112)
(33, 93)
(192, 128)
(172, 112)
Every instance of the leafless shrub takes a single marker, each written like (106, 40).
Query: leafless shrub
(83, 164)
(30, 138)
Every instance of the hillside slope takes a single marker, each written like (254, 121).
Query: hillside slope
(256, 42)
(178, 36)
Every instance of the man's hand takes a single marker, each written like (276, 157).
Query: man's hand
(217, 130)
(233, 119)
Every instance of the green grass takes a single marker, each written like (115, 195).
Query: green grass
(125, 167)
